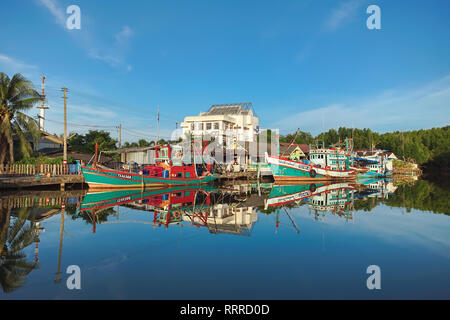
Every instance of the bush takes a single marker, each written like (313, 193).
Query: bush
(43, 160)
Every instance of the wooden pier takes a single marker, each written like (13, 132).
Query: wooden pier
(19, 182)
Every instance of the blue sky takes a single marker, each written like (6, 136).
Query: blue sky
(311, 65)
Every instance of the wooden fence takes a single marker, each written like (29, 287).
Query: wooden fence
(41, 169)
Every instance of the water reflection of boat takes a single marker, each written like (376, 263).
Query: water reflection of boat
(284, 194)
(101, 200)
(336, 198)
(376, 188)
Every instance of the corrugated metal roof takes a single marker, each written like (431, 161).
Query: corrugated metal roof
(232, 108)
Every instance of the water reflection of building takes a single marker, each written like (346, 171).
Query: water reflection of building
(226, 218)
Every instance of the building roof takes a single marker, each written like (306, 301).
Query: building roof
(50, 137)
(369, 152)
(135, 149)
(232, 108)
(288, 148)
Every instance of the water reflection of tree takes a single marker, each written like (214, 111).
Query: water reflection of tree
(366, 204)
(14, 238)
(423, 195)
(88, 216)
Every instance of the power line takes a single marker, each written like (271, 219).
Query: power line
(80, 125)
(142, 134)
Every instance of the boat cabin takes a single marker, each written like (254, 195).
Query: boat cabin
(332, 158)
(169, 164)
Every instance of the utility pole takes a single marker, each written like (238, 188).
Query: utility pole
(157, 128)
(119, 128)
(65, 127)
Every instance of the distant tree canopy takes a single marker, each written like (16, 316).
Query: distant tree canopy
(86, 143)
(300, 138)
(143, 143)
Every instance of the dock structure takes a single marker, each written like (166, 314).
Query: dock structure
(248, 175)
(34, 181)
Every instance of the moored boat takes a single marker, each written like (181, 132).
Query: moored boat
(373, 166)
(323, 164)
(169, 169)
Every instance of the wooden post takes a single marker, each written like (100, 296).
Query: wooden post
(65, 127)
(61, 231)
(96, 150)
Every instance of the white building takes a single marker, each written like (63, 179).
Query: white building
(227, 122)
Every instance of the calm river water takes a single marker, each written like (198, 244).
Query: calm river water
(258, 241)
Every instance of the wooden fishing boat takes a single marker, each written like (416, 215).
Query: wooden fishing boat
(323, 164)
(169, 169)
(375, 167)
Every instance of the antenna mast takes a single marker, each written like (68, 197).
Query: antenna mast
(42, 107)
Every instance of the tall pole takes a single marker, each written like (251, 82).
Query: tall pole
(157, 128)
(65, 127)
(42, 108)
(119, 128)
(61, 236)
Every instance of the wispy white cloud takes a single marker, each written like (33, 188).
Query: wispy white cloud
(124, 34)
(112, 59)
(112, 54)
(14, 64)
(395, 109)
(56, 10)
(342, 14)
(89, 110)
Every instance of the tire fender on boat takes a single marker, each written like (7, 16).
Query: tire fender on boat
(312, 173)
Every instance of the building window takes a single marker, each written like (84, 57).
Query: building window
(200, 126)
(208, 126)
(192, 126)
(216, 126)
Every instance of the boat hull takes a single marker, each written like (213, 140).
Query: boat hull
(106, 179)
(371, 174)
(288, 170)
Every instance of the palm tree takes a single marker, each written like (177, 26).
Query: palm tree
(14, 266)
(16, 95)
